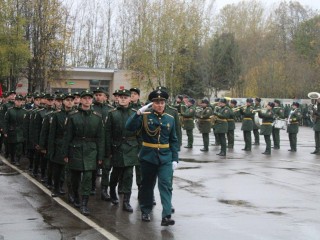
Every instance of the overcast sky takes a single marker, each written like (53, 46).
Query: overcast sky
(314, 4)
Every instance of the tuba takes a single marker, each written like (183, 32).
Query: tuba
(314, 97)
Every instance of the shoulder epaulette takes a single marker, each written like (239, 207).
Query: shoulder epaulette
(173, 108)
(96, 113)
(48, 113)
(59, 110)
(112, 110)
(109, 105)
(133, 109)
(73, 112)
(9, 108)
(169, 115)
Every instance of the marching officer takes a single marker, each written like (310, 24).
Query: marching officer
(293, 125)
(316, 127)
(257, 106)
(266, 127)
(247, 123)
(83, 144)
(121, 149)
(221, 126)
(204, 121)
(55, 143)
(158, 155)
(188, 121)
(13, 129)
(278, 114)
(231, 124)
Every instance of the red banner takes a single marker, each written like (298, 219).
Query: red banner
(0, 90)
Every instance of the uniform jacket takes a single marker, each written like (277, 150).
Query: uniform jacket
(293, 121)
(44, 133)
(231, 120)
(13, 124)
(248, 115)
(278, 112)
(267, 120)
(204, 120)
(316, 115)
(188, 118)
(121, 144)
(221, 124)
(156, 130)
(84, 141)
(256, 107)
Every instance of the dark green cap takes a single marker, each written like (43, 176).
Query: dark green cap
(86, 93)
(124, 92)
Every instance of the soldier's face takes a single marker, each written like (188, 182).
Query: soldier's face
(50, 102)
(36, 101)
(76, 100)
(18, 103)
(134, 96)
(68, 103)
(124, 100)
(12, 96)
(100, 97)
(86, 101)
(159, 105)
(58, 103)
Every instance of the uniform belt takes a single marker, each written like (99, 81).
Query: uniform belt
(221, 120)
(267, 123)
(207, 119)
(230, 120)
(155, 145)
(247, 119)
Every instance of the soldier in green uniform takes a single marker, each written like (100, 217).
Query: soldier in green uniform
(13, 129)
(83, 144)
(293, 125)
(215, 107)
(115, 98)
(77, 99)
(9, 104)
(221, 126)
(188, 121)
(266, 127)
(101, 106)
(122, 149)
(316, 127)
(257, 106)
(247, 123)
(55, 145)
(3, 101)
(278, 114)
(231, 124)
(158, 155)
(204, 123)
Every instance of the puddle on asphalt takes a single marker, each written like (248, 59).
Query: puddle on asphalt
(243, 173)
(193, 160)
(186, 168)
(276, 213)
(7, 171)
(240, 203)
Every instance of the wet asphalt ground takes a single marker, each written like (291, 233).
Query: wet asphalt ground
(245, 195)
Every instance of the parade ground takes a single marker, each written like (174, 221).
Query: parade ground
(243, 196)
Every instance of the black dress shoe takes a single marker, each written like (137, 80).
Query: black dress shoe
(315, 152)
(204, 149)
(266, 153)
(145, 217)
(167, 221)
(218, 153)
(222, 154)
(173, 209)
(244, 149)
(188, 146)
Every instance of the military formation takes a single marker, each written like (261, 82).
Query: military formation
(71, 139)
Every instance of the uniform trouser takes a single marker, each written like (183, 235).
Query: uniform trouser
(230, 136)
(82, 179)
(94, 179)
(31, 153)
(57, 171)
(105, 178)
(15, 150)
(123, 174)
(190, 137)
(36, 163)
(216, 138)
(138, 175)
(293, 141)
(247, 140)
(317, 140)
(205, 137)
(223, 142)
(49, 171)
(149, 173)
(256, 136)
(276, 137)
(68, 179)
(44, 165)
(6, 147)
(1, 141)
(180, 137)
(267, 139)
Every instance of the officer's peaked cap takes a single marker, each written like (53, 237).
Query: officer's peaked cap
(86, 93)
(124, 92)
(158, 95)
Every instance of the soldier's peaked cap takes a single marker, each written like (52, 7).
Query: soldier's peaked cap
(86, 93)
(158, 95)
(124, 92)
(137, 90)
(19, 97)
(223, 100)
(249, 100)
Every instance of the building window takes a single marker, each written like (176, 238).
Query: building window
(99, 83)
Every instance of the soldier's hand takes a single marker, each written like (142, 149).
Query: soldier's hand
(5, 135)
(43, 151)
(144, 108)
(174, 165)
(100, 162)
(66, 160)
(37, 147)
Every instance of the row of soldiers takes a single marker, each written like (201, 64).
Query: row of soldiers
(221, 116)
(66, 141)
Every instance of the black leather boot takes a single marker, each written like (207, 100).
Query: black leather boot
(76, 201)
(104, 194)
(84, 205)
(113, 196)
(167, 221)
(126, 203)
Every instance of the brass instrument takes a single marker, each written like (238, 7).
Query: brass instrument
(314, 97)
(238, 108)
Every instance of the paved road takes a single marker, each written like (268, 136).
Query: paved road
(241, 196)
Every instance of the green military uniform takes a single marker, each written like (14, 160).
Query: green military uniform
(83, 144)
(293, 126)
(215, 108)
(103, 109)
(231, 127)
(181, 108)
(3, 111)
(123, 146)
(204, 124)
(256, 128)
(158, 152)
(278, 114)
(316, 128)
(266, 127)
(247, 124)
(13, 128)
(188, 123)
(221, 126)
